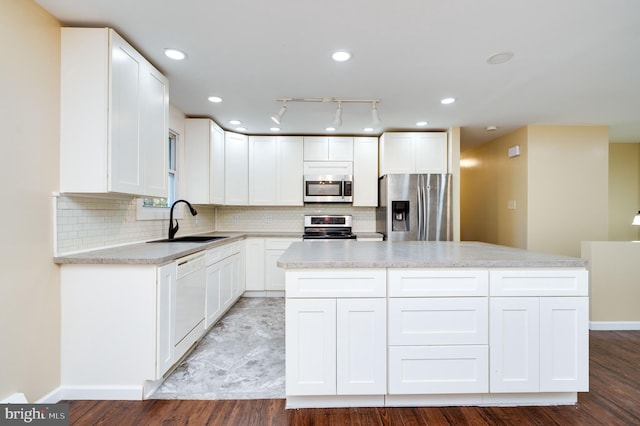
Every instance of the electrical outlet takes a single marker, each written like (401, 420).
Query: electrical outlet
(236, 218)
(511, 204)
(268, 219)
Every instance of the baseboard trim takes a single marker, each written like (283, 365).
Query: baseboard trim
(614, 325)
(52, 397)
(129, 393)
(268, 293)
(16, 398)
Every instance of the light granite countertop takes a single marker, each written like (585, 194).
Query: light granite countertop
(159, 253)
(416, 254)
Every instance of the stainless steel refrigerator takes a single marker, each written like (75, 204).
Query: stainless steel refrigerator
(415, 207)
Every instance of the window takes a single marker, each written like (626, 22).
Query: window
(157, 208)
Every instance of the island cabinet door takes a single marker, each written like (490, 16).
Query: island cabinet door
(564, 344)
(311, 346)
(361, 347)
(514, 344)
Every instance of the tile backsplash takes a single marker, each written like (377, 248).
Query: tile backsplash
(288, 219)
(87, 223)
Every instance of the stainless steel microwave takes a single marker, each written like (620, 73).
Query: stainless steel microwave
(328, 189)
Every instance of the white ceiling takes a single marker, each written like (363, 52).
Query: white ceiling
(576, 62)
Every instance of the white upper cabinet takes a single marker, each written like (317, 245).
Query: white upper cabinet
(289, 165)
(413, 152)
(113, 116)
(236, 174)
(204, 161)
(275, 170)
(216, 165)
(196, 160)
(262, 170)
(365, 172)
(328, 148)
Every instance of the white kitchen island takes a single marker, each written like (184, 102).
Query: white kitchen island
(433, 323)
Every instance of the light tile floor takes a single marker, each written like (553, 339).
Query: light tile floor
(241, 357)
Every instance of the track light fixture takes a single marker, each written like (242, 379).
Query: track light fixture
(277, 118)
(337, 121)
(374, 114)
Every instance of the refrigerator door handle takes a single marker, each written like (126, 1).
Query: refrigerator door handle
(427, 208)
(421, 212)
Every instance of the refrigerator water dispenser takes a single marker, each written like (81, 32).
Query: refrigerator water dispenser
(400, 211)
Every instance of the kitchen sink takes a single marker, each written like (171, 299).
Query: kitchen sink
(190, 239)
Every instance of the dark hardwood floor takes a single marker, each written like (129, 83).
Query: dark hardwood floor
(614, 399)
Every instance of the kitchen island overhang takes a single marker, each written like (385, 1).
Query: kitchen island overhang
(433, 323)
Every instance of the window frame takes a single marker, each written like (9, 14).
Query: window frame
(146, 212)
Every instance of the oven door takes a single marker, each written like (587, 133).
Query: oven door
(327, 189)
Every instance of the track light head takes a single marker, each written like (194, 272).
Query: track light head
(374, 114)
(337, 121)
(277, 118)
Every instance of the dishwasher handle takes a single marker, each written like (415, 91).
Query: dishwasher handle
(188, 265)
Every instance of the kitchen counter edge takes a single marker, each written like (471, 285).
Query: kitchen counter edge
(420, 254)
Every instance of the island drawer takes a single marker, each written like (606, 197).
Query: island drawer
(539, 282)
(439, 321)
(438, 282)
(438, 369)
(336, 283)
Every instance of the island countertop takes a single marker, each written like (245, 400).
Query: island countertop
(417, 254)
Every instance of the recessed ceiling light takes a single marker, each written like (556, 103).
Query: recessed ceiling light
(275, 129)
(175, 54)
(499, 58)
(235, 122)
(214, 99)
(491, 128)
(341, 56)
(330, 129)
(447, 101)
(368, 129)
(421, 123)
(241, 129)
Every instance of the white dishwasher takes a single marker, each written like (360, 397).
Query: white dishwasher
(190, 296)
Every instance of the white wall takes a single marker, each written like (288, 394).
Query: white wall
(29, 288)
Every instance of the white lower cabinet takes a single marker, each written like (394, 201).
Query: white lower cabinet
(225, 281)
(442, 336)
(539, 330)
(165, 317)
(311, 346)
(274, 248)
(336, 346)
(213, 303)
(539, 344)
(264, 277)
(361, 346)
(438, 340)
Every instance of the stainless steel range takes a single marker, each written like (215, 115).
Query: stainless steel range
(327, 227)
